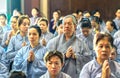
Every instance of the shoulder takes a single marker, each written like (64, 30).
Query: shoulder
(54, 39)
(90, 63)
(65, 75)
(80, 41)
(117, 65)
(89, 66)
(117, 34)
(24, 49)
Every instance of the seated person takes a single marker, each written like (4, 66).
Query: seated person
(113, 53)
(54, 62)
(29, 59)
(101, 66)
(59, 29)
(46, 35)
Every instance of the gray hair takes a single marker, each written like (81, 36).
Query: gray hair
(73, 19)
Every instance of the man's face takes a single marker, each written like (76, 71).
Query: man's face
(54, 65)
(68, 27)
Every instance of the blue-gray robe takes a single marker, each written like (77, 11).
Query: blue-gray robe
(72, 66)
(117, 23)
(88, 40)
(117, 44)
(60, 75)
(3, 71)
(93, 70)
(47, 36)
(15, 44)
(2, 52)
(117, 34)
(32, 69)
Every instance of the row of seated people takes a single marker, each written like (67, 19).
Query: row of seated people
(27, 54)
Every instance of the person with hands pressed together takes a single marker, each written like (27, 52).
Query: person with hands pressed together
(46, 35)
(70, 53)
(76, 52)
(18, 41)
(9, 34)
(101, 66)
(29, 59)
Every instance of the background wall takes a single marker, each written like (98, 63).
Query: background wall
(106, 7)
(3, 6)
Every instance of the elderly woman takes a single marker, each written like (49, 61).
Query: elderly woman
(54, 62)
(29, 59)
(101, 66)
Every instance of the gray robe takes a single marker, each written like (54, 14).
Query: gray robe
(93, 70)
(47, 36)
(71, 66)
(60, 75)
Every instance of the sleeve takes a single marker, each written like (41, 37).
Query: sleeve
(1, 34)
(4, 39)
(39, 61)
(3, 71)
(11, 50)
(85, 72)
(117, 44)
(82, 57)
(52, 44)
(84, 54)
(2, 51)
(19, 62)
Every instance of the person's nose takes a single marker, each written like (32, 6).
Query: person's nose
(53, 65)
(104, 48)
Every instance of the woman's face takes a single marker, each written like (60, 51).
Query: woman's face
(54, 65)
(2, 20)
(14, 23)
(86, 31)
(34, 12)
(118, 13)
(113, 54)
(43, 26)
(60, 29)
(33, 36)
(103, 49)
(55, 16)
(97, 14)
(24, 26)
(108, 26)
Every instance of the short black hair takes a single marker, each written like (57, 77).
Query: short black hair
(85, 23)
(44, 19)
(17, 74)
(37, 28)
(59, 22)
(50, 54)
